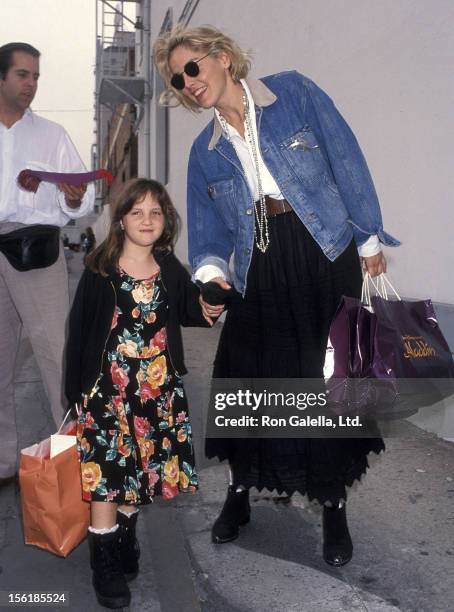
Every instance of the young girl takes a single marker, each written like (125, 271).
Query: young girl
(124, 364)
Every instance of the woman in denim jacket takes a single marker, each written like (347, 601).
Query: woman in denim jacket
(277, 180)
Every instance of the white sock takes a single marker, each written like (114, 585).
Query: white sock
(103, 530)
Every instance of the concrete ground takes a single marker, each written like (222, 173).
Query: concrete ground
(401, 519)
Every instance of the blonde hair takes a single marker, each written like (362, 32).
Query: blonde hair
(206, 39)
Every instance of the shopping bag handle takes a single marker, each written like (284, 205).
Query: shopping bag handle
(365, 289)
(67, 415)
(385, 281)
(381, 286)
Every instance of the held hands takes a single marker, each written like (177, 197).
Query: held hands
(375, 265)
(73, 194)
(211, 311)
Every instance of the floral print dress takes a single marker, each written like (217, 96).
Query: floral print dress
(134, 436)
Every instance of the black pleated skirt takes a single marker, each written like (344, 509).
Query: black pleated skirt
(280, 330)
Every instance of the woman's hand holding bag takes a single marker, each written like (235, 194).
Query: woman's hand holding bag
(386, 356)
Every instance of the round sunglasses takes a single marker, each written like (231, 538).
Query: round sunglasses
(191, 68)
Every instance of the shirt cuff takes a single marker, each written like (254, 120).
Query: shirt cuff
(86, 205)
(370, 248)
(207, 273)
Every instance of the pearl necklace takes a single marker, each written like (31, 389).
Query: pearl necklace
(261, 234)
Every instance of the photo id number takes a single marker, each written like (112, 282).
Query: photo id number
(32, 598)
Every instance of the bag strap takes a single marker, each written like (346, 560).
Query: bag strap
(67, 415)
(381, 284)
(365, 289)
(385, 280)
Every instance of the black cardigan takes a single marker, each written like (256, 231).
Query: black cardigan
(91, 315)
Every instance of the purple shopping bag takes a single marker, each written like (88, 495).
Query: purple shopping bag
(388, 359)
(348, 360)
(408, 342)
(350, 342)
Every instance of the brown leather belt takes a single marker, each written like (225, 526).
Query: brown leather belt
(276, 207)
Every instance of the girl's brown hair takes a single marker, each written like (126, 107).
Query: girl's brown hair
(104, 259)
(204, 39)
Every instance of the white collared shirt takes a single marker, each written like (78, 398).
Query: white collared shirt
(244, 150)
(38, 144)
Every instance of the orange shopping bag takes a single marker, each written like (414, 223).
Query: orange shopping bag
(54, 516)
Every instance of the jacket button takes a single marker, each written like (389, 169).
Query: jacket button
(249, 211)
(211, 190)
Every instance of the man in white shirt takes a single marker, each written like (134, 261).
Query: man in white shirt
(37, 298)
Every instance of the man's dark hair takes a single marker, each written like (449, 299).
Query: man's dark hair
(6, 55)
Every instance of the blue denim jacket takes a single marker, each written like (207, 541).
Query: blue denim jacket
(315, 160)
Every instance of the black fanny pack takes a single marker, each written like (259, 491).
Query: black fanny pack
(28, 248)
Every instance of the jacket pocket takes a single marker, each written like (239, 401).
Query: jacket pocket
(303, 152)
(221, 193)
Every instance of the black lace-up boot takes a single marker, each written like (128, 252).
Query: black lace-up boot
(337, 543)
(109, 582)
(129, 546)
(236, 512)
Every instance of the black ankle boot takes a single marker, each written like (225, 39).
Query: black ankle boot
(236, 512)
(337, 543)
(109, 582)
(129, 546)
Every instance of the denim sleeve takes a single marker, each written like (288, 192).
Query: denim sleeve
(348, 165)
(209, 240)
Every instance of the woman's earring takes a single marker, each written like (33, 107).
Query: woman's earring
(121, 225)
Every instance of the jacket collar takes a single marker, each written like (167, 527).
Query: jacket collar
(261, 95)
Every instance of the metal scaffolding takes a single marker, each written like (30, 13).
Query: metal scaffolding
(122, 91)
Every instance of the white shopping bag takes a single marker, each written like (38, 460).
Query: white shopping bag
(62, 440)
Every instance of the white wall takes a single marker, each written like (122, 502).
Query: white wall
(388, 66)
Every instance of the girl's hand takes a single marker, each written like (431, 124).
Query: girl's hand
(209, 310)
(375, 265)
